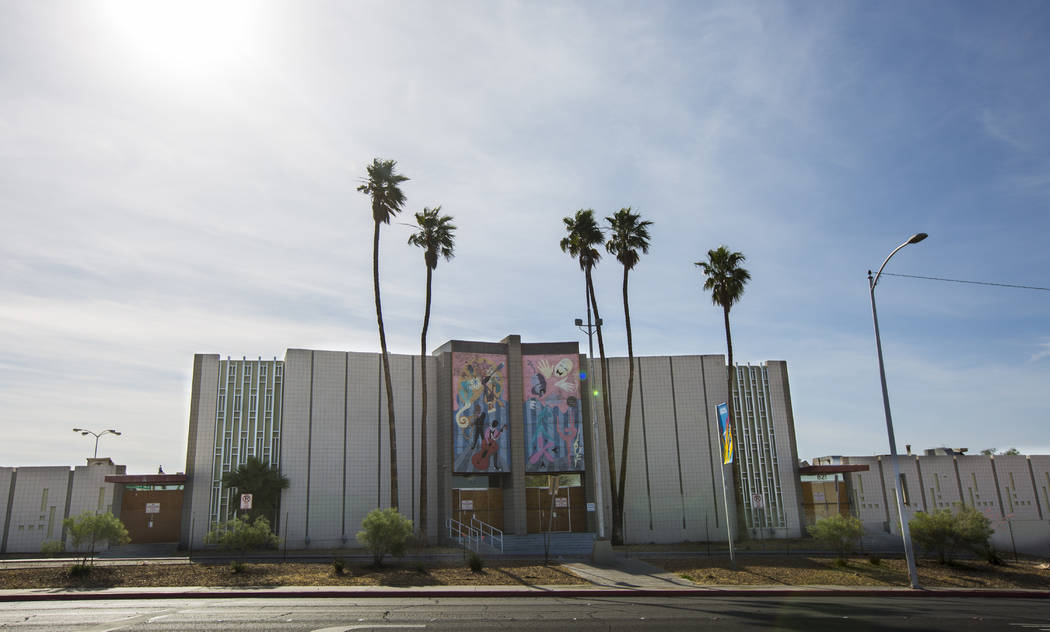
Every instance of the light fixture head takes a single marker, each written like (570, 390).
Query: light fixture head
(578, 322)
(917, 237)
(77, 429)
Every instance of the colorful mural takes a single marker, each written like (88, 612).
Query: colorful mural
(553, 422)
(480, 437)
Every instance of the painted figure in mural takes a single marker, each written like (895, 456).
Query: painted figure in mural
(478, 380)
(569, 432)
(489, 449)
(479, 425)
(552, 414)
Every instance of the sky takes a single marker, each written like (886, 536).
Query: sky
(180, 178)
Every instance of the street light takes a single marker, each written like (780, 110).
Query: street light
(97, 436)
(905, 530)
(597, 460)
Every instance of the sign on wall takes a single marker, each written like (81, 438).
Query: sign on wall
(153, 508)
(246, 501)
(553, 421)
(480, 437)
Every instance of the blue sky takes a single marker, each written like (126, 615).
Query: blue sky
(180, 177)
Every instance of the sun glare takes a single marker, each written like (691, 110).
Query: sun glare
(194, 37)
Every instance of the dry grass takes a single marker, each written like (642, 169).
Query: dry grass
(288, 574)
(800, 570)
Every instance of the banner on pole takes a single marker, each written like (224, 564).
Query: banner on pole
(726, 433)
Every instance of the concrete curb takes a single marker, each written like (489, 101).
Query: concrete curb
(514, 592)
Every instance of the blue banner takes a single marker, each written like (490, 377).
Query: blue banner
(726, 432)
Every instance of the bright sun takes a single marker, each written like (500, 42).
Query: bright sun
(190, 37)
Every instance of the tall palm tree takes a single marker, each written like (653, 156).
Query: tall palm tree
(437, 238)
(263, 482)
(628, 234)
(387, 200)
(725, 279)
(584, 235)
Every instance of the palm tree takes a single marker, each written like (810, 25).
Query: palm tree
(584, 235)
(387, 200)
(263, 482)
(627, 235)
(437, 238)
(725, 279)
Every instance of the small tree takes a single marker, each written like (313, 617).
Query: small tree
(242, 535)
(264, 482)
(838, 532)
(92, 528)
(943, 532)
(385, 531)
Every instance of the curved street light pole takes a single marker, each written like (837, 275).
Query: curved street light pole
(909, 555)
(97, 435)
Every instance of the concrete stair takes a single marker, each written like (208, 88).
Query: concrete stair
(561, 544)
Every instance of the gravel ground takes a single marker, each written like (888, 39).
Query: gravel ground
(289, 574)
(800, 570)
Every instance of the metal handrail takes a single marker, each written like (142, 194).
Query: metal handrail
(495, 535)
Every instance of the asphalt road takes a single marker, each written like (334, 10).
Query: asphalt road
(794, 612)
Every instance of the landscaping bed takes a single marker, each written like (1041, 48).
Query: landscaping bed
(803, 570)
(288, 574)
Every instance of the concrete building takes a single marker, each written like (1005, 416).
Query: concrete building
(1012, 491)
(502, 417)
(35, 501)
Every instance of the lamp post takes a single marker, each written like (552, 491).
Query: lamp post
(97, 435)
(905, 530)
(600, 504)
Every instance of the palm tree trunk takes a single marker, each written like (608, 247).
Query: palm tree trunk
(386, 370)
(630, 392)
(423, 417)
(610, 452)
(738, 498)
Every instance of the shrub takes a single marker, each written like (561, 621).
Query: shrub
(874, 560)
(243, 535)
(476, 563)
(80, 570)
(90, 528)
(51, 548)
(385, 531)
(838, 531)
(237, 566)
(338, 566)
(943, 532)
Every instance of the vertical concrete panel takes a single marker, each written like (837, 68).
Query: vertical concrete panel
(433, 449)
(514, 519)
(363, 442)
(693, 445)
(595, 453)
(940, 485)
(664, 470)
(910, 470)
(783, 419)
(326, 449)
(295, 433)
(443, 438)
(637, 514)
(1015, 485)
(1041, 474)
(200, 450)
(30, 510)
(6, 481)
(405, 423)
(713, 375)
(978, 480)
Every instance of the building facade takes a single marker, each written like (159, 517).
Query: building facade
(507, 423)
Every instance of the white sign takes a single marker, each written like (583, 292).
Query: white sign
(561, 502)
(818, 497)
(756, 501)
(590, 506)
(466, 505)
(246, 501)
(152, 508)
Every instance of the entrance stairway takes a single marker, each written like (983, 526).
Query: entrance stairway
(561, 544)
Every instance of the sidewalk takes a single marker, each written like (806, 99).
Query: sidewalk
(625, 577)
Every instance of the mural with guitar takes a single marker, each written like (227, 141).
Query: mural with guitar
(480, 442)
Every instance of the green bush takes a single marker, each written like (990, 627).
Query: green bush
(943, 532)
(839, 532)
(476, 563)
(243, 535)
(51, 548)
(338, 566)
(80, 570)
(385, 531)
(91, 529)
(237, 566)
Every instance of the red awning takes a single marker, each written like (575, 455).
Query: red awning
(147, 479)
(830, 469)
